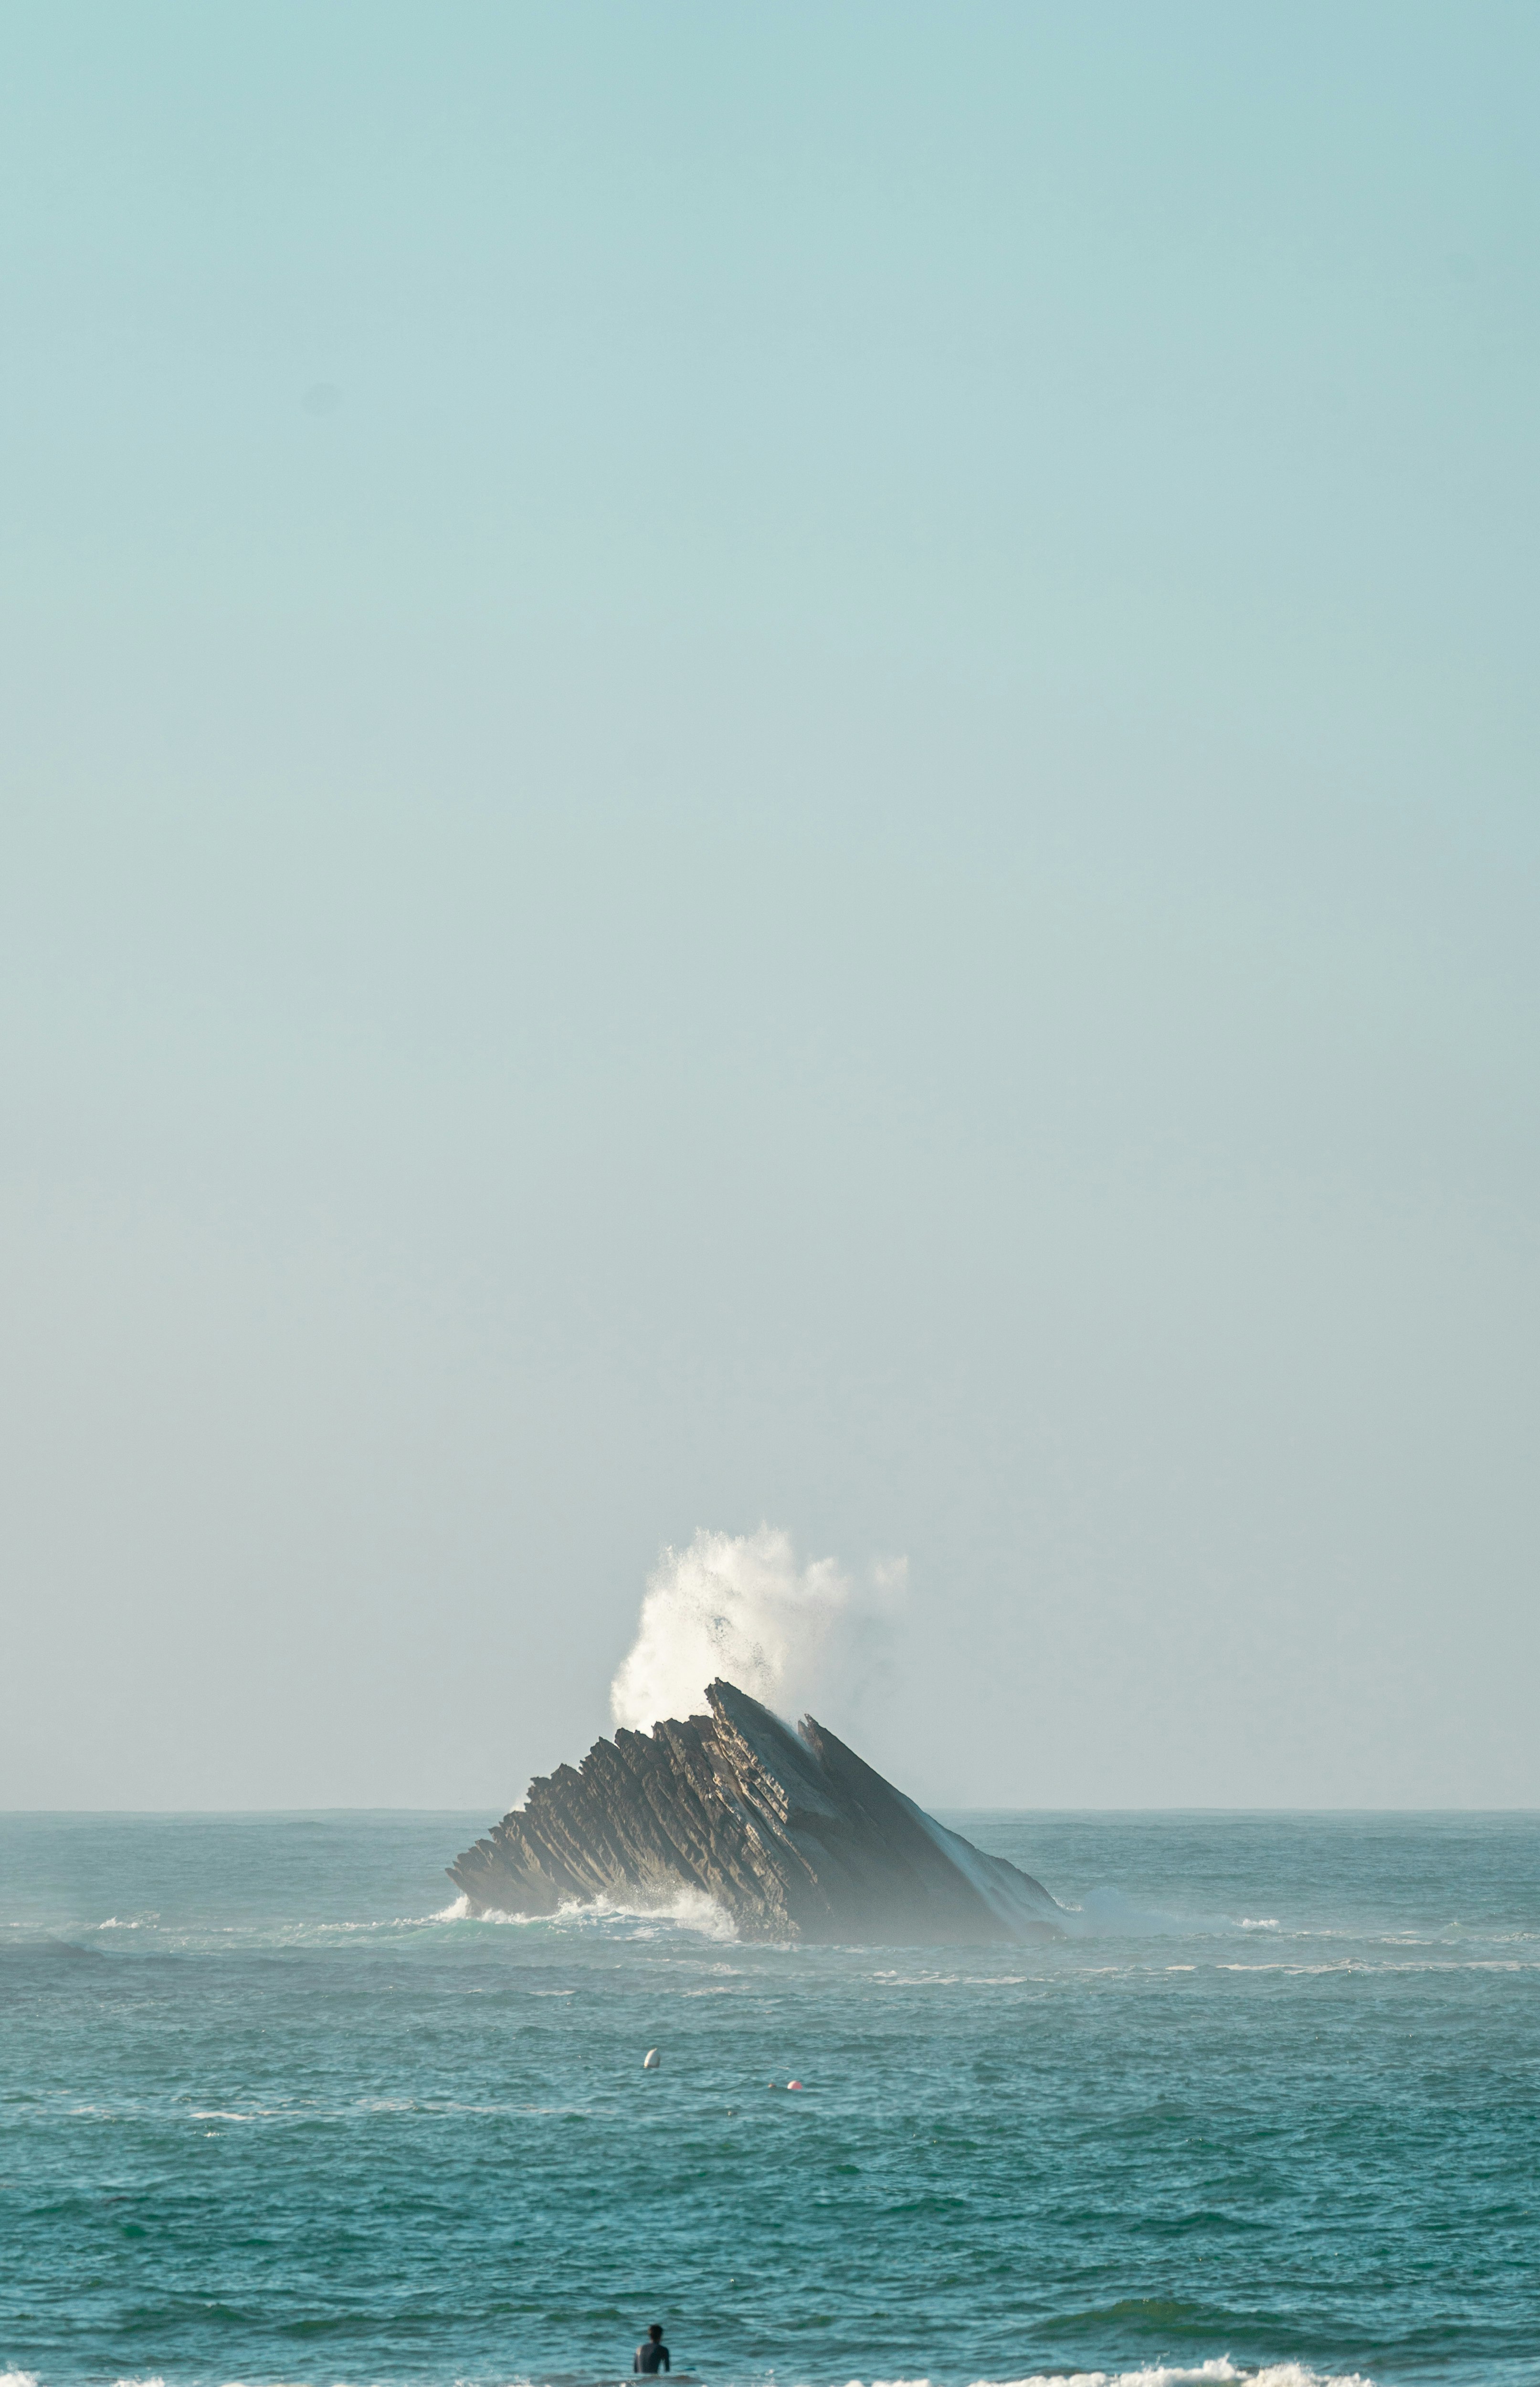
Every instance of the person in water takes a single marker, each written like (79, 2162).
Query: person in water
(651, 2354)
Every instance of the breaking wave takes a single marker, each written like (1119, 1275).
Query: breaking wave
(1221, 2373)
(1218, 2373)
(740, 1605)
(691, 1910)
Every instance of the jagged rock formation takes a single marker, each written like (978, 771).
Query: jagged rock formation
(791, 1832)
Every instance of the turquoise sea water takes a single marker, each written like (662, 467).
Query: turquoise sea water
(269, 2113)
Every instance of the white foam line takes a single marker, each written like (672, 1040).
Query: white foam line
(1220, 2371)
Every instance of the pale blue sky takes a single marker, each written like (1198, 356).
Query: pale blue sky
(770, 762)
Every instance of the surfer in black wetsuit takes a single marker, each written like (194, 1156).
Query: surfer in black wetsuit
(651, 2354)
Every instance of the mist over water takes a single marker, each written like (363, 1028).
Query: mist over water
(793, 1634)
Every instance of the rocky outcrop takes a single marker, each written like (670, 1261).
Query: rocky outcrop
(791, 1834)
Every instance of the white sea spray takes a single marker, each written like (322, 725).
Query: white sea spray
(742, 1605)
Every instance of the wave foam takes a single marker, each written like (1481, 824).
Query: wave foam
(690, 1911)
(1219, 2371)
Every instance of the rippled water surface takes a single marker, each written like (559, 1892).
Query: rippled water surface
(271, 2114)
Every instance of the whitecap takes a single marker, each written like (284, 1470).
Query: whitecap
(688, 1909)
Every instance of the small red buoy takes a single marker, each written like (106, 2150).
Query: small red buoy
(793, 2084)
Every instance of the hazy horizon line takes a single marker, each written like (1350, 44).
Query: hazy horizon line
(148, 1815)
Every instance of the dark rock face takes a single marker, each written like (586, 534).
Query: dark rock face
(791, 1832)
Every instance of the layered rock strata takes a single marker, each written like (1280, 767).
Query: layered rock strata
(791, 1834)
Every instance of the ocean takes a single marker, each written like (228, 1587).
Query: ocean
(273, 2111)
